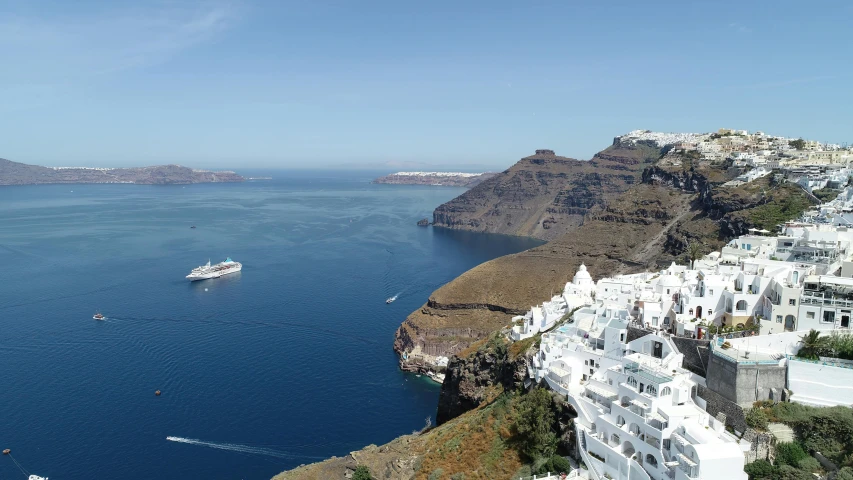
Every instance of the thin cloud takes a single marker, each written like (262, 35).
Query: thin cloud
(78, 45)
(793, 81)
(740, 28)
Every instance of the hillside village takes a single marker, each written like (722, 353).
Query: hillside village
(663, 367)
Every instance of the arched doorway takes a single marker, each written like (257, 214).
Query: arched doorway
(699, 312)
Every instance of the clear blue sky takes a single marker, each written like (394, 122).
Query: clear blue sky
(314, 83)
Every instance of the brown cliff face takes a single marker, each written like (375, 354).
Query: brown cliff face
(546, 195)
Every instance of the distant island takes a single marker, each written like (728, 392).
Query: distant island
(14, 173)
(449, 179)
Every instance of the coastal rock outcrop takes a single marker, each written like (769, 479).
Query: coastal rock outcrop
(471, 379)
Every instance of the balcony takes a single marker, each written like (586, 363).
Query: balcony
(652, 441)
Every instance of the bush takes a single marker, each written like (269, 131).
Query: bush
(555, 464)
(787, 472)
(809, 464)
(457, 476)
(756, 418)
(361, 473)
(760, 470)
(790, 453)
(845, 473)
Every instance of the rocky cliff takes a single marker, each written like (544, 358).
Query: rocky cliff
(546, 195)
(14, 173)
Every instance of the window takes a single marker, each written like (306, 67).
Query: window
(711, 291)
(652, 390)
(654, 321)
(741, 306)
(810, 315)
(778, 318)
(632, 381)
(666, 391)
(792, 301)
(666, 444)
(591, 371)
(651, 460)
(829, 317)
(622, 337)
(667, 291)
(620, 421)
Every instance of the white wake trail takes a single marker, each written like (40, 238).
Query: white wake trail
(234, 447)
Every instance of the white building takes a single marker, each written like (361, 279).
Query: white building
(636, 415)
(576, 293)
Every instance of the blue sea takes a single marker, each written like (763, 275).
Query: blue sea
(288, 362)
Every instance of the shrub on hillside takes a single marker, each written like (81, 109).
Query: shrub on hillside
(760, 470)
(756, 418)
(787, 472)
(809, 464)
(361, 473)
(555, 464)
(534, 424)
(790, 453)
(845, 473)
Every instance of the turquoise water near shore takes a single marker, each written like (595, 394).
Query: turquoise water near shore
(288, 362)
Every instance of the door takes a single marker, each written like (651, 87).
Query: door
(845, 321)
(698, 312)
(657, 350)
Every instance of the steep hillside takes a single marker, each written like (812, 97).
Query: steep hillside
(14, 173)
(640, 226)
(546, 195)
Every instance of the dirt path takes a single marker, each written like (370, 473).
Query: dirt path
(649, 250)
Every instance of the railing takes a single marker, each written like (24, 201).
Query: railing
(815, 300)
(828, 363)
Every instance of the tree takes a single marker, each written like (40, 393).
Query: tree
(790, 453)
(694, 252)
(361, 473)
(799, 143)
(534, 424)
(811, 345)
(760, 470)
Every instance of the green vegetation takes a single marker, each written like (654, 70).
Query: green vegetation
(774, 212)
(837, 345)
(555, 464)
(826, 430)
(535, 425)
(757, 419)
(826, 194)
(790, 453)
(799, 143)
(361, 473)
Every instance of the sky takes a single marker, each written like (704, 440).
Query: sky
(457, 84)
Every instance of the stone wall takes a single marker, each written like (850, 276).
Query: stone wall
(743, 383)
(717, 404)
(761, 446)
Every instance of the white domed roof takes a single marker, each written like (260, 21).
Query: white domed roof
(581, 274)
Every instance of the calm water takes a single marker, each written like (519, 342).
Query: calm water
(285, 363)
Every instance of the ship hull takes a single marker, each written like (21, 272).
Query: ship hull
(217, 274)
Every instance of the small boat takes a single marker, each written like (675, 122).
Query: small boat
(193, 226)
(98, 316)
(390, 300)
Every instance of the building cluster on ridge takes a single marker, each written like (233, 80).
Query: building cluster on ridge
(812, 164)
(641, 414)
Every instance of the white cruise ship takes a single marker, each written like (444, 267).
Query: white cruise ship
(215, 271)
